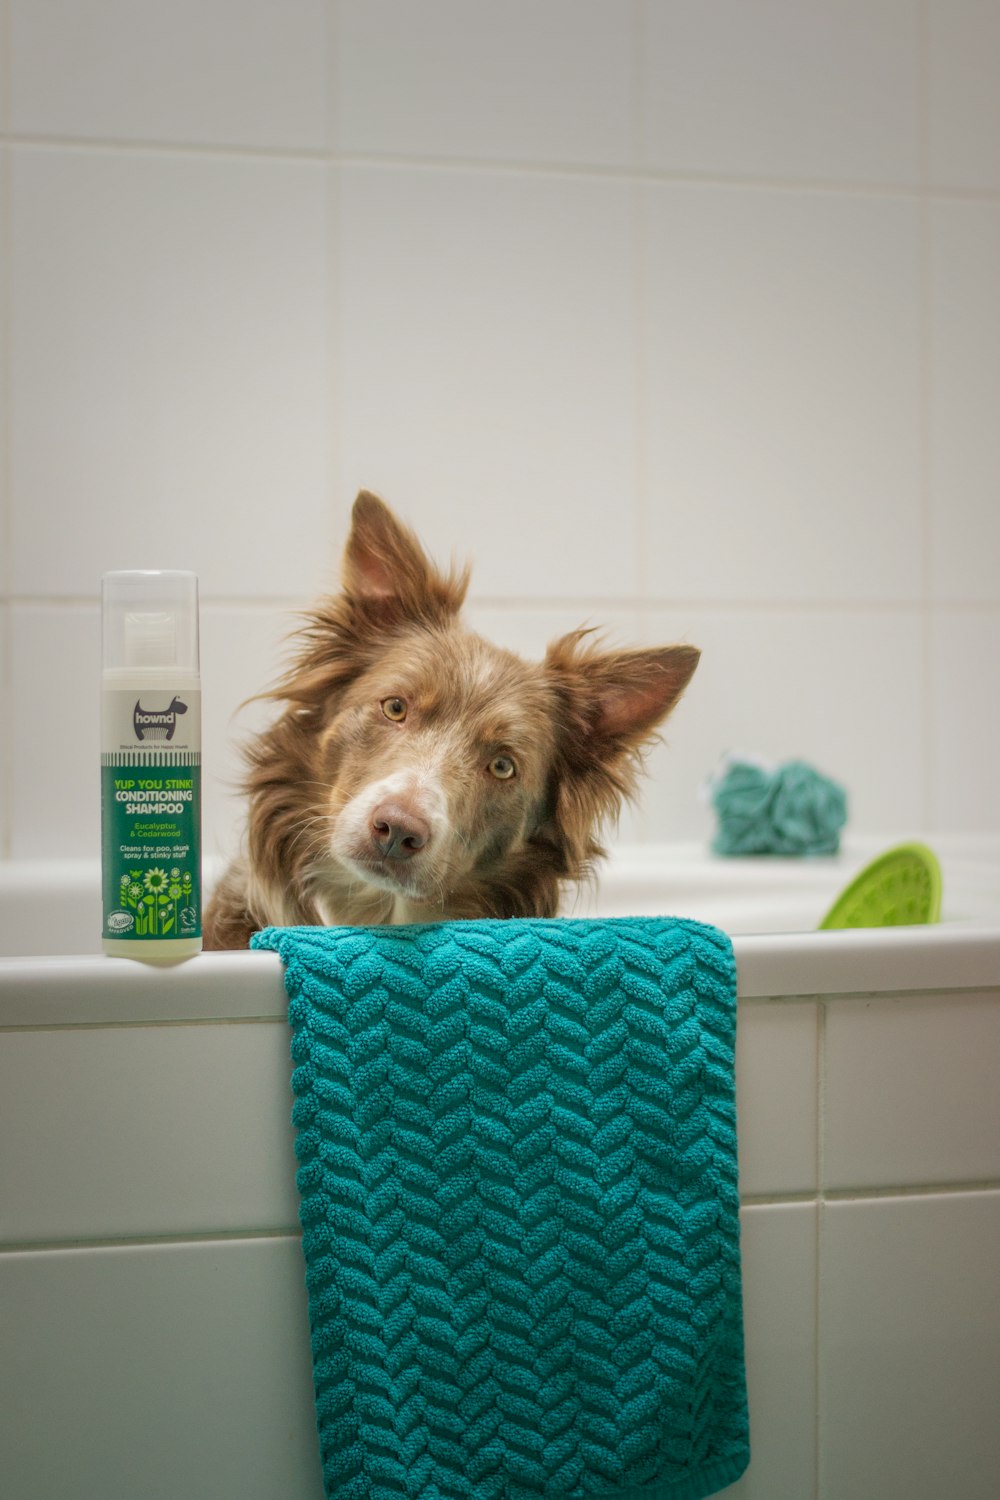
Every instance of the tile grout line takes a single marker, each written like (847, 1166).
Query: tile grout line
(810, 606)
(925, 450)
(640, 259)
(320, 155)
(86, 1243)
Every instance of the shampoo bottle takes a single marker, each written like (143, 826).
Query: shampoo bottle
(151, 765)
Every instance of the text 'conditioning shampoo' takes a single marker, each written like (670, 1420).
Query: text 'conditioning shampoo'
(151, 765)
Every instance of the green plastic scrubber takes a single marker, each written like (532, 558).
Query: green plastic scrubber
(900, 888)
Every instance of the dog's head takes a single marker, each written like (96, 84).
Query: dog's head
(419, 771)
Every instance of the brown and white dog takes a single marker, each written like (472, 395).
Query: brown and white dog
(419, 773)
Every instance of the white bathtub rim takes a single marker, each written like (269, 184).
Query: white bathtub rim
(91, 990)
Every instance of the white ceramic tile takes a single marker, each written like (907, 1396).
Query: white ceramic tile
(842, 690)
(467, 78)
(487, 371)
(782, 396)
(965, 719)
(910, 1348)
(783, 89)
(55, 808)
(776, 1097)
(911, 1093)
(146, 1131)
(964, 392)
(215, 72)
(169, 370)
(6, 787)
(158, 1371)
(963, 46)
(779, 1314)
(4, 82)
(243, 652)
(530, 631)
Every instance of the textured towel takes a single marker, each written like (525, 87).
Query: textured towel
(519, 1206)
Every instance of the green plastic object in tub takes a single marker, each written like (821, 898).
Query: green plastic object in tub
(901, 888)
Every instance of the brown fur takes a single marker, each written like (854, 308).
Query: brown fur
(325, 844)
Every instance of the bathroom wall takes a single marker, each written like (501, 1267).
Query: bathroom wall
(679, 317)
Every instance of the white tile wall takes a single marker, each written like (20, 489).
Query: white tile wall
(252, 73)
(778, 1247)
(965, 370)
(162, 1370)
(783, 88)
(463, 78)
(910, 1091)
(963, 104)
(489, 375)
(909, 1340)
(778, 1130)
(638, 305)
(842, 690)
(6, 775)
(783, 396)
(54, 730)
(147, 1132)
(141, 283)
(965, 680)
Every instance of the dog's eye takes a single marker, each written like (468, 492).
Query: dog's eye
(394, 709)
(502, 767)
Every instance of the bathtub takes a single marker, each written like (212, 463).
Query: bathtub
(155, 1338)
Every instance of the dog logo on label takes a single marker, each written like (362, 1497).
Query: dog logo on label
(157, 723)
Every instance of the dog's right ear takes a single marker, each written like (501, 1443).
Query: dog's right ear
(388, 574)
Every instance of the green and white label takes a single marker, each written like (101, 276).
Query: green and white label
(151, 814)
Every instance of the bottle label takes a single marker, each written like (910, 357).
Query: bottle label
(151, 813)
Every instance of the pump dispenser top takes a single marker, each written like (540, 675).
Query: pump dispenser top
(150, 621)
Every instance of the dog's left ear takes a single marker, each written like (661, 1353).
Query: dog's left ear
(388, 573)
(619, 697)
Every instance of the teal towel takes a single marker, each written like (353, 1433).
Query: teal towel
(519, 1203)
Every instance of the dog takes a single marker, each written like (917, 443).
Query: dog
(418, 773)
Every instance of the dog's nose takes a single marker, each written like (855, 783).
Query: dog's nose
(398, 833)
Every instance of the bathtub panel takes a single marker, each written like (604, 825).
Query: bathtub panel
(779, 1294)
(776, 1080)
(155, 1372)
(911, 1094)
(910, 1348)
(120, 1132)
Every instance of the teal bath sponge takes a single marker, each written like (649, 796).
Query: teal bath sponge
(791, 809)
